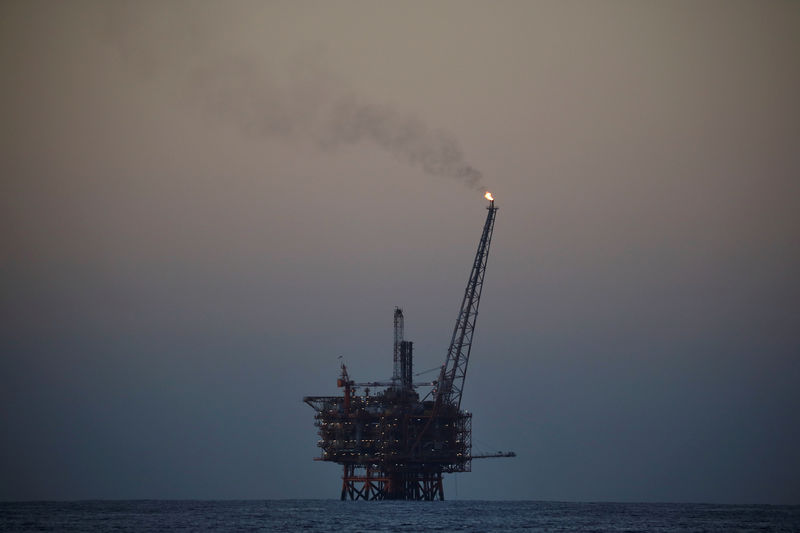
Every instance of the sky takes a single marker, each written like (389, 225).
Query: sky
(205, 204)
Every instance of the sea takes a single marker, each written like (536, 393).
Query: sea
(352, 516)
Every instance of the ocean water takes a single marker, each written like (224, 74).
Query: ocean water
(336, 516)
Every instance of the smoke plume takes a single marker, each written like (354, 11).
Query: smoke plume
(301, 102)
(403, 135)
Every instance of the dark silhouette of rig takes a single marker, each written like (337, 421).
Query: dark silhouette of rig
(392, 444)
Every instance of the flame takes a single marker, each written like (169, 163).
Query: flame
(489, 196)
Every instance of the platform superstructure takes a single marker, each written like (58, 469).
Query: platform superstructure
(392, 443)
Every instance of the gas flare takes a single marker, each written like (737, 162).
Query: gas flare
(489, 196)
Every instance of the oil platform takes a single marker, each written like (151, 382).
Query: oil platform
(394, 445)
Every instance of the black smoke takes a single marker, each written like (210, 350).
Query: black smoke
(300, 101)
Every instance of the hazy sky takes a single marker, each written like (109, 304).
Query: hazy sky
(205, 204)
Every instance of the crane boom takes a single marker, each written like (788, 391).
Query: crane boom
(454, 371)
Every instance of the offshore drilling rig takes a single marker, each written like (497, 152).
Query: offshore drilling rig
(392, 444)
